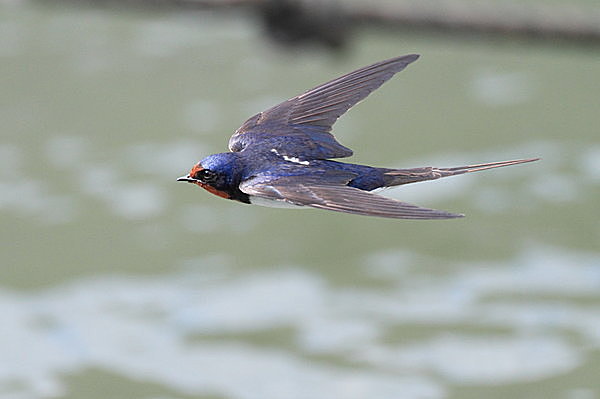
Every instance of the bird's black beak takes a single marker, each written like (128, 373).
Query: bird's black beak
(186, 179)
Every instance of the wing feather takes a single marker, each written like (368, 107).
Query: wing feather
(341, 198)
(301, 126)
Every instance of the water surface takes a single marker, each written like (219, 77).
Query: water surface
(116, 281)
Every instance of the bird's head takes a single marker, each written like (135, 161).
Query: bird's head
(214, 173)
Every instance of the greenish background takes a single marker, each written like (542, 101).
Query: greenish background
(118, 282)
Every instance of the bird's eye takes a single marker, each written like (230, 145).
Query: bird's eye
(205, 175)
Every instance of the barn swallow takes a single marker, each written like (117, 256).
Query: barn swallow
(282, 157)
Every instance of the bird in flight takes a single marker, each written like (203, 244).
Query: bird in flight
(282, 157)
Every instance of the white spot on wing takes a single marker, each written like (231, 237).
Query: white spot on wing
(290, 159)
(295, 160)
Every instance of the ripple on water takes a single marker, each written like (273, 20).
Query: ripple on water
(502, 88)
(29, 198)
(167, 161)
(134, 327)
(122, 182)
(131, 200)
(590, 163)
(68, 152)
(489, 360)
(138, 200)
(107, 326)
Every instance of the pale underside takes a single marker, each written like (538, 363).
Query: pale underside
(273, 203)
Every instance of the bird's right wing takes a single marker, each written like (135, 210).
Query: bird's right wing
(297, 190)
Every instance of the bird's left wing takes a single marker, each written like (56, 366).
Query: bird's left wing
(300, 127)
(297, 190)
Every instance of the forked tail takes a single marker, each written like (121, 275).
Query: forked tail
(405, 176)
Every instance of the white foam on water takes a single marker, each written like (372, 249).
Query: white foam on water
(33, 199)
(497, 89)
(68, 152)
(138, 200)
(489, 360)
(128, 199)
(135, 328)
(164, 160)
(590, 163)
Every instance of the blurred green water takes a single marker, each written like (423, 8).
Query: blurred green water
(117, 279)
